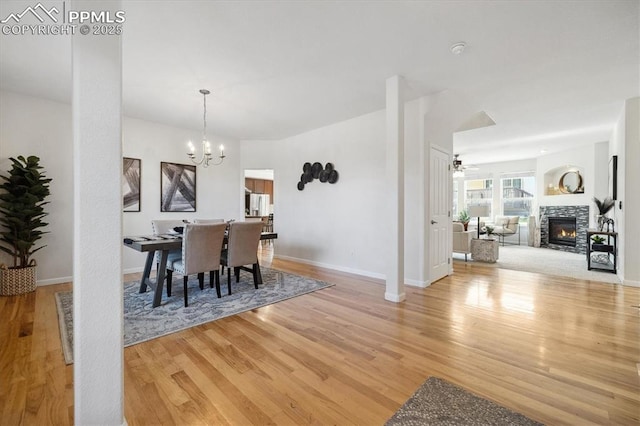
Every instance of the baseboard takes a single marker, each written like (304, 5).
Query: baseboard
(397, 298)
(360, 272)
(417, 283)
(631, 283)
(52, 281)
(332, 267)
(62, 280)
(132, 270)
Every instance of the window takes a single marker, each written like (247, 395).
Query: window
(518, 196)
(479, 192)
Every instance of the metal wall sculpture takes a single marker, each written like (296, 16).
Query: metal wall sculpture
(315, 171)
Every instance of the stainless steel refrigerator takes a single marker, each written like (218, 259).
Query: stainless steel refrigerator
(259, 204)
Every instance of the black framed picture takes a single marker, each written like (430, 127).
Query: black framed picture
(131, 172)
(613, 177)
(177, 187)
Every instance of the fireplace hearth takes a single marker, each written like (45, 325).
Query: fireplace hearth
(562, 231)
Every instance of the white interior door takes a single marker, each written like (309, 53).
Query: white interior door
(439, 202)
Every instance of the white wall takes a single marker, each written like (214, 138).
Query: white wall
(625, 143)
(35, 126)
(583, 158)
(630, 172)
(339, 225)
(601, 162)
(216, 186)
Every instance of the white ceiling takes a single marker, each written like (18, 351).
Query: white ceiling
(551, 74)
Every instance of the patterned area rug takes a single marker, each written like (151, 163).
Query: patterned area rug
(438, 402)
(142, 322)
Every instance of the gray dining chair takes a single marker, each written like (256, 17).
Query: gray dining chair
(242, 250)
(201, 247)
(164, 226)
(208, 221)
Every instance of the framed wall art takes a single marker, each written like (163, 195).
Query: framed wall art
(177, 187)
(131, 169)
(613, 177)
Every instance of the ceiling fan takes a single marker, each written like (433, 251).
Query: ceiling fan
(458, 168)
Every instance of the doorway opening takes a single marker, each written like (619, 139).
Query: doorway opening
(258, 194)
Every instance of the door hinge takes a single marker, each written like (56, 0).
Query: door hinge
(449, 167)
(448, 261)
(449, 213)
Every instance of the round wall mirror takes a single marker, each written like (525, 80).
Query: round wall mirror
(571, 183)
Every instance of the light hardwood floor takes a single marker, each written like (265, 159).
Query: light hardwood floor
(558, 350)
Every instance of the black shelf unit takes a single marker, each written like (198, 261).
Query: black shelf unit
(610, 250)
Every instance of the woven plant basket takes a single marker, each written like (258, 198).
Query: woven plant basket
(17, 281)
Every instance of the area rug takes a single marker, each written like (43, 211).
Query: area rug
(543, 261)
(438, 402)
(142, 322)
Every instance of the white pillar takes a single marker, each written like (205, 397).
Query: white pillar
(97, 241)
(628, 182)
(395, 190)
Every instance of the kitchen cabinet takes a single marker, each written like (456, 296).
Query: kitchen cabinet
(260, 186)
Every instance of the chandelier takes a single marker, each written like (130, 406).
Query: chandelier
(205, 160)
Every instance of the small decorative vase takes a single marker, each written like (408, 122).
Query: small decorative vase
(600, 218)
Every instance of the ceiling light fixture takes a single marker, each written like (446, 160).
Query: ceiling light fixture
(206, 146)
(458, 48)
(458, 170)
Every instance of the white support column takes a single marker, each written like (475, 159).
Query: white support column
(628, 182)
(395, 190)
(97, 239)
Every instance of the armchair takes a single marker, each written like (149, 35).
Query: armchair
(507, 226)
(462, 239)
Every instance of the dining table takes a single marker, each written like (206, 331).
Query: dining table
(163, 244)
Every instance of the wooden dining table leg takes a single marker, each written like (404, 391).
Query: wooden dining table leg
(147, 271)
(258, 273)
(157, 296)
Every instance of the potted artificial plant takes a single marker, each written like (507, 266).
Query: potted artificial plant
(599, 245)
(22, 195)
(463, 217)
(603, 208)
(489, 230)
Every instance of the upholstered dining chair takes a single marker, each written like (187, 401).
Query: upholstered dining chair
(164, 226)
(201, 247)
(208, 221)
(242, 250)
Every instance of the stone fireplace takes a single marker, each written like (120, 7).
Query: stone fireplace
(564, 228)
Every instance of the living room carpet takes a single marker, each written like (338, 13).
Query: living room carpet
(543, 261)
(142, 322)
(438, 402)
